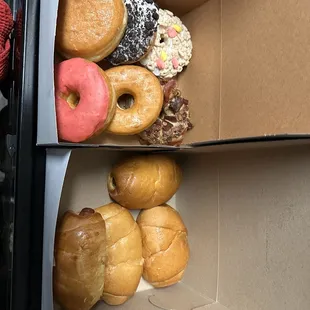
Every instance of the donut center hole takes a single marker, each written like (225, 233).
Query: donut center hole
(73, 100)
(162, 38)
(125, 101)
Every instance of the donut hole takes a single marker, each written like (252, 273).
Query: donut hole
(125, 101)
(73, 100)
(162, 38)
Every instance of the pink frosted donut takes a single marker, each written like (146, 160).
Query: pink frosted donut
(85, 99)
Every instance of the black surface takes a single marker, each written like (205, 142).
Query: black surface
(28, 189)
(36, 235)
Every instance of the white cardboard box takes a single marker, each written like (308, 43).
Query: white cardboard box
(248, 79)
(248, 219)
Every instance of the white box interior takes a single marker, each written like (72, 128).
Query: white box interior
(248, 77)
(248, 219)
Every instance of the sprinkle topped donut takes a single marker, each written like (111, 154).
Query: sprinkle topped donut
(142, 24)
(173, 47)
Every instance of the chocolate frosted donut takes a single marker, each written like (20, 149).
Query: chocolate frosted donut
(142, 24)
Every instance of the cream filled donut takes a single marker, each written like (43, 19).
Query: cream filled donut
(84, 98)
(173, 47)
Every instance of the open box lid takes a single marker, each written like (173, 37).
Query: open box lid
(248, 78)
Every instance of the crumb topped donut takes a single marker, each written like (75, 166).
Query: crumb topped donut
(173, 47)
(174, 121)
(142, 24)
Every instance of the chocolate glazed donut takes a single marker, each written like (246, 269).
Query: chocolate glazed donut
(142, 25)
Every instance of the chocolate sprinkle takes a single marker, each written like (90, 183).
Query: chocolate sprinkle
(142, 24)
(155, 16)
(149, 25)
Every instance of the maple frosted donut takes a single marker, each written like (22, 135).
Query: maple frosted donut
(139, 35)
(84, 98)
(173, 47)
(90, 29)
(147, 95)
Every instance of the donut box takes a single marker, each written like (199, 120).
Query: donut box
(247, 80)
(247, 217)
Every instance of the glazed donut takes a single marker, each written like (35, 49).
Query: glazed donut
(173, 47)
(90, 29)
(147, 93)
(84, 98)
(139, 35)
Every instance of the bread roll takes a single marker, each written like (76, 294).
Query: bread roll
(165, 245)
(124, 254)
(80, 254)
(143, 182)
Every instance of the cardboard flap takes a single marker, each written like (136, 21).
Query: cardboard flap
(177, 297)
(47, 127)
(56, 166)
(215, 306)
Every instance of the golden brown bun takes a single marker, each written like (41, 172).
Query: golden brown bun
(143, 182)
(124, 251)
(80, 254)
(165, 245)
(90, 29)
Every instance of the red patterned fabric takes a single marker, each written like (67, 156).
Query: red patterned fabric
(18, 37)
(6, 25)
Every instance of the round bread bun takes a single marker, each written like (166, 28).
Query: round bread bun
(90, 29)
(124, 254)
(80, 255)
(143, 182)
(165, 245)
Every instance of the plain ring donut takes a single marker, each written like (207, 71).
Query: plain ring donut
(147, 93)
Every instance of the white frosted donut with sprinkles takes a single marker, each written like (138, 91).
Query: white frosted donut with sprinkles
(173, 47)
